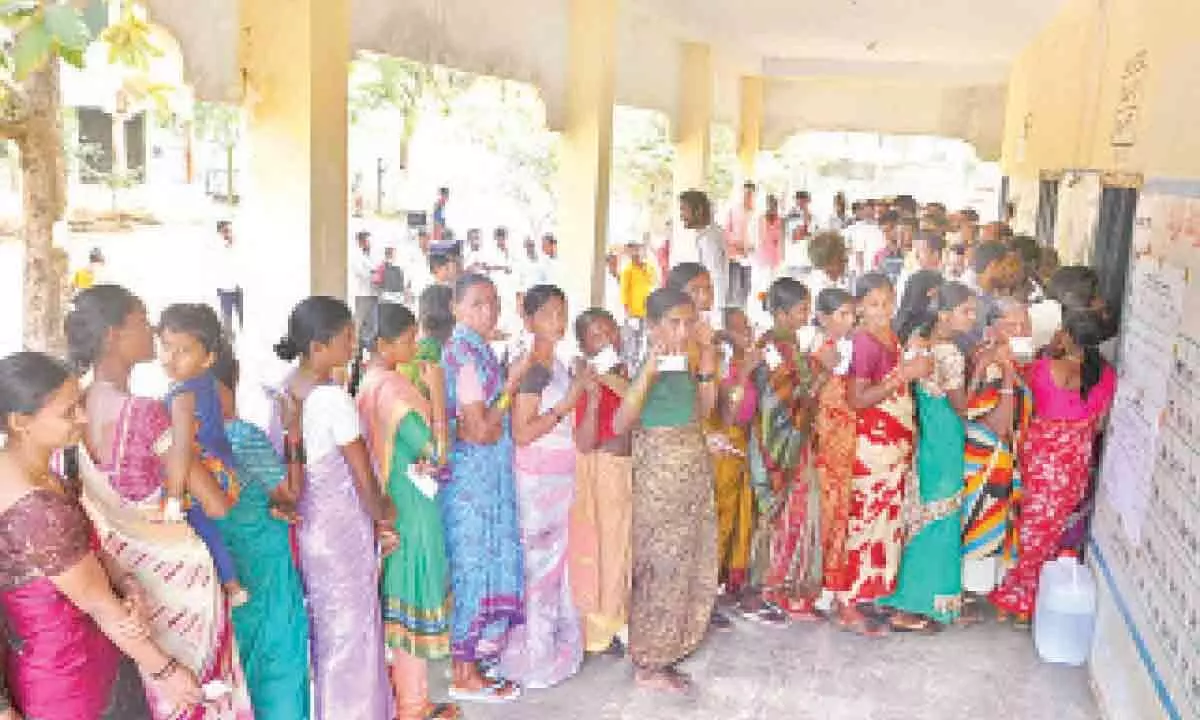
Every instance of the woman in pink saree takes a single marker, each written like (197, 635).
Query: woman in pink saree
(72, 642)
(121, 469)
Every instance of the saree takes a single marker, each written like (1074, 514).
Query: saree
(734, 503)
(548, 647)
(674, 532)
(1055, 458)
(272, 628)
(929, 582)
(339, 566)
(599, 545)
(479, 515)
(882, 470)
(187, 612)
(835, 445)
(784, 425)
(58, 663)
(992, 489)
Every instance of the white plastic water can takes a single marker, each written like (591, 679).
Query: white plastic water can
(1065, 614)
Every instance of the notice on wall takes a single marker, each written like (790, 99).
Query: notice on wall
(1147, 520)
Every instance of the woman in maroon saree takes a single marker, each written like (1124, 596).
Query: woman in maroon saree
(68, 634)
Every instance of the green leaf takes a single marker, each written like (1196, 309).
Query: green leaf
(67, 27)
(32, 49)
(72, 56)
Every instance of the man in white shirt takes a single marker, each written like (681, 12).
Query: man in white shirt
(695, 211)
(474, 256)
(362, 290)
(928, 248)
(742, 229)
(229, 287)
(864, 240)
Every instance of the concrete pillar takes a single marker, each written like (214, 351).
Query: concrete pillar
(693, 135)
(586, 160)
(293, 226)
(750, 118)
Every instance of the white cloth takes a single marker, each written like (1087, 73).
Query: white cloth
(227, 264)
(710, 248)
(361, 269)
(330, 421)
(866, 239)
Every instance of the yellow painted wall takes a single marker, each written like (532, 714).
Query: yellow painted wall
(1067, 87)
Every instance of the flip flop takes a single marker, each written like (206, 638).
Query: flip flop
(489, 695)
(443, 711)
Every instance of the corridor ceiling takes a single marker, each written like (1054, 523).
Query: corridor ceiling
(861, 58)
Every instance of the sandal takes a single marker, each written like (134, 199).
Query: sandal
(859, 624)
(497, 693)
(442, 711)
(903, 622)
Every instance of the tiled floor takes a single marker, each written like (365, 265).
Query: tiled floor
(809, 672)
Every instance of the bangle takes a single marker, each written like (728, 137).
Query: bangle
(293, 453)
(503, 402)
(167, 670)
(705, 377)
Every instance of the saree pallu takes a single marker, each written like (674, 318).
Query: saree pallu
(674, 545)
(548, 647)
(835, 444)
(734, 503)
(1055, 461)
(479, 515)
(598, 545)
(187, 613)
(992, 490)
(882, 469)
(340, 569)
(929, 582)
(272, 628)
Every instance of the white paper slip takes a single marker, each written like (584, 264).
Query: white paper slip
(426, 483)
(772, 358)
(806, 338)
(672, 363)
(606, 360)
(215, 690)
(845, 349)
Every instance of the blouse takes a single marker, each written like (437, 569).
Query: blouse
(1052, 402)
(871, 359)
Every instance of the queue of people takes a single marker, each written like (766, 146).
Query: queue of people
(887, 464)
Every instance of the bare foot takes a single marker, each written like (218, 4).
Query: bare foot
(667, 680)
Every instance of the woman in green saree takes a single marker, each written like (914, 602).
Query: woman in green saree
(399, 417)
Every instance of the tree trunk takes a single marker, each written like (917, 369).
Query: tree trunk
(43, 191)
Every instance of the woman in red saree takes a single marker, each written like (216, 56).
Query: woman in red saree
(121, 469)
(879, 393)
(69, 634)
(1071, 396)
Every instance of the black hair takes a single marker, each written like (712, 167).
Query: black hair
(986, 254)
(226, 368)
(889, 217)
(500, 232)
(95, 255)
(1027, 248)
(785, 294)
(698, 202)
(871, 281)
(195, 319)
(362, 235)
(467, 281)
(537, 296)
(439, 260)
(95, 312)
(315, 319)
(684, 273)
(222, 224)
(437, 313)
(917, 307)
(804, 195)
(27, 380)
(589, 316)
(825, 247)
(393, 321)
(663, 301)
(1075, 287)
(1087, 328)
(831, 299)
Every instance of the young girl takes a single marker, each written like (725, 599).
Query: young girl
(271, 628)
(879, 394)
(1071, 396)
(600, 529)
(479, 505)
(344, 516)
(189, 338)
(929, 585)
(788, 389)
(548, 648)
(674, 521)
(835, 438)
(397, 413)
(728, 433)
